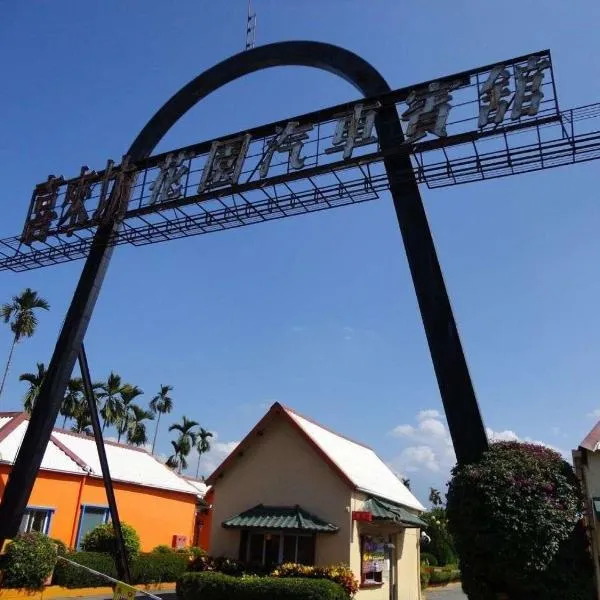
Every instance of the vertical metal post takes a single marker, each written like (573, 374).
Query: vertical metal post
(121, 563)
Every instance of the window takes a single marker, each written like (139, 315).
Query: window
(36, 519)
(277, 548)
(372, 559)
(91, 516)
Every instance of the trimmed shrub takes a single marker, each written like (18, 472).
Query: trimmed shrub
(216, 586)
(514, 517)
(70, 576)
(158, 568)
(340, 574)
(29, 561)
(102, 539)
(429, 559)
(163, 549)
(145, 568)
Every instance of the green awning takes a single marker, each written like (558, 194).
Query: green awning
(387, 511)
(596, 506)
(284, 518)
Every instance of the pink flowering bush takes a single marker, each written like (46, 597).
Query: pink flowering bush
(515, 517)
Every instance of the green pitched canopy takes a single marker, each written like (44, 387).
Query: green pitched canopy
(387, 511)
(285, 518)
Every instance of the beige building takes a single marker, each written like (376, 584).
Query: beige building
(294, 491)
(586, 460)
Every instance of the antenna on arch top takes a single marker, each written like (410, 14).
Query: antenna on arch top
(250, 27)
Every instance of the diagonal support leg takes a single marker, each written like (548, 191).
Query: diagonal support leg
(122, 564)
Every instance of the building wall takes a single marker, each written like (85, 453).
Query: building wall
(406, 557)
(156, 515)
(282, 469)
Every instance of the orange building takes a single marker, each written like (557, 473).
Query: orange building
(68, 498)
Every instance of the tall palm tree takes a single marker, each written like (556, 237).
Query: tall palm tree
(23, 322)
(178, 460)
(136, 428)
(435, 497)
(186, 440)
(112, 405)
(83, 422)
(161, 404)
(72, 399)
(128, 394)
(202, 445)
(35, 383)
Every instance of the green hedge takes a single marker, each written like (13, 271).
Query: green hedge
(216, 586)
(145, 569)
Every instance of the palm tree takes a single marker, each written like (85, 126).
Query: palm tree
(112, 406)
(74, 397)
(406, 482)
(128, 394)
(202, 445)
(186, 440)
(83, 423)
(177, 460)
(435, 497)
(161, 404)
(23, 323)
(136, 428)
(35, 383)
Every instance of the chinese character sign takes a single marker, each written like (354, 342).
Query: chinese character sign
(505, 95)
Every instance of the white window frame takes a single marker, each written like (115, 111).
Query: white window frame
(280, 535)
(28, 519)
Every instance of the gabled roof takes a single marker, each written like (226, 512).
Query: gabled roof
(69, 452)
(591, 441)
(356, 464)
(282, 518)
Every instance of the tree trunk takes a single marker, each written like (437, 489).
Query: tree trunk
(155, 432)
(64, 422)
(198, 467)
(10, 354)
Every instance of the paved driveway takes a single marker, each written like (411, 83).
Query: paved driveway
(453, 592)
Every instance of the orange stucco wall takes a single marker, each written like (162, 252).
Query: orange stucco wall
(155, 514)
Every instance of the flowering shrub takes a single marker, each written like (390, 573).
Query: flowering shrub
(514, 517)
(340, 574)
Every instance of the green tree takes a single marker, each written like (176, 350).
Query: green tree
(83, 422)
(160, 405)
(20, 313)
(136, 428)
(128, 394)
(202, 445)
(186, 430)
(515, 516)
(112, 407)
(72, 400)
(435, 497)
(441, 544)
(178, 460)
(35, 383)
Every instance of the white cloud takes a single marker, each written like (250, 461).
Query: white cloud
(595, 414)
(219, 451)
(429, 446)
(428, 414)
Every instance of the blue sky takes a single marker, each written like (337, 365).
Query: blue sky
(319, 311)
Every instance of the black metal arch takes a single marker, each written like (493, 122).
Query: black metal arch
(460, 403)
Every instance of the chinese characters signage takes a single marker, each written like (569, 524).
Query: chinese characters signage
(280, 159)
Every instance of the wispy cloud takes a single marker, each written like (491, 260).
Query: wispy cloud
(595, 414)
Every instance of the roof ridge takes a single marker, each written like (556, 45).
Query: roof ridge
(9, 427)
(325, 427)
(84, 436)
(74, 457)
